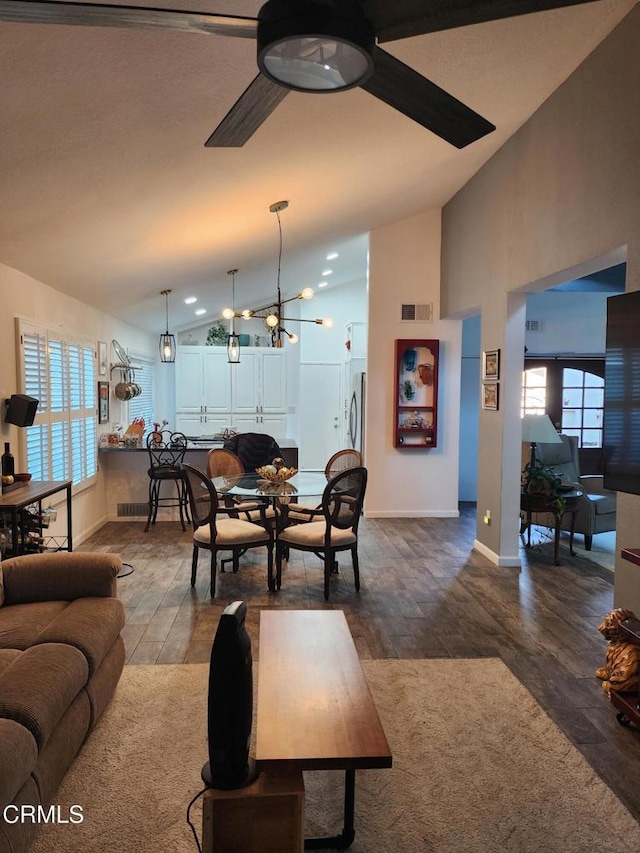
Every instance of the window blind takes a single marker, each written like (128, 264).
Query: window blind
(143, 406)
(59, 370)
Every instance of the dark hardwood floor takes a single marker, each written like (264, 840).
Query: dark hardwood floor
(425, 593)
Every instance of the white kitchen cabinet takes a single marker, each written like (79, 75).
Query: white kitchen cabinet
(203, 380)
(259, 382)
(212, 394)
(192, 424)
(274, 425)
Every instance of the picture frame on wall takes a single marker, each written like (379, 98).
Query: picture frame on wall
(490, 396)
(491, 364)
(102, 358)
(103, 402)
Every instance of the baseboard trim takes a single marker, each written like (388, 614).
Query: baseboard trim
(436, 513)
(496, 559)
(79, 538)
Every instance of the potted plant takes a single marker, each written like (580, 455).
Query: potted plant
(539, 479)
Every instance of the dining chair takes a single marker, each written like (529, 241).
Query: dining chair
(225, 463)
(216, 534)
(340, 461)
(254, 449)
(166, 451)
(336, 531)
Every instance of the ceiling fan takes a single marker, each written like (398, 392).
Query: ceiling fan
(315, 46)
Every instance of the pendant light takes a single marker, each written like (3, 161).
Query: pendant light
(167, 340)
(272, 313)
(233, 342)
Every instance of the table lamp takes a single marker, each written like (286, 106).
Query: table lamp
(538, 429)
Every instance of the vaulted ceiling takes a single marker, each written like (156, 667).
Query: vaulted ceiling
(108, 194)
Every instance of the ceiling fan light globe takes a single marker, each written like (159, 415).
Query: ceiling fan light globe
(310, 47)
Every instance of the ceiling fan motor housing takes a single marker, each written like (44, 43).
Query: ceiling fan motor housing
(315, 45)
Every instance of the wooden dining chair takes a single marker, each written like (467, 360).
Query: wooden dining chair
(336, 531)
(215, 533)
(340, 461)
(225, 463)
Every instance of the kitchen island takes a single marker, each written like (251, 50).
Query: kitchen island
(126, 482)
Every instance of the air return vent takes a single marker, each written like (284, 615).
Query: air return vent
(533, 325)
(420, 312)
(128, 510)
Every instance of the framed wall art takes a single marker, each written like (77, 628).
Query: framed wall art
(103, 402)
(490, 395)
(491, 364)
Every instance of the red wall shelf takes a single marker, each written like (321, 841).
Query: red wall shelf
(415, 411)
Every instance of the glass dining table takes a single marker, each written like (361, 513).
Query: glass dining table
(304, 484)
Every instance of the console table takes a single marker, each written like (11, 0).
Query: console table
(315, 710)
(531, 502)
(21, 496)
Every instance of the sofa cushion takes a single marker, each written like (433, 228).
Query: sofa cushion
(60, 576)
(7, 657)
(18, 758)
(91, 625)
(39, 685)
(21, 624)
(603, 504)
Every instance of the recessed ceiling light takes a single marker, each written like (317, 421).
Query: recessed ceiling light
(332, 256)
(326, 272)
(190, 300)
(323, 283)
(201, 311)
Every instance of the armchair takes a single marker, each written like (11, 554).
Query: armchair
(597, 510)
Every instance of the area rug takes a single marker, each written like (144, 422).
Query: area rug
(477, 766)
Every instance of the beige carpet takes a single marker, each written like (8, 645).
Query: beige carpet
(496, 776)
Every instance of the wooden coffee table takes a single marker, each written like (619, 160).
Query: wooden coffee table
(315, 710)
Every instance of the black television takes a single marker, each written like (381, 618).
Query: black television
(230, 704)
(621, 439)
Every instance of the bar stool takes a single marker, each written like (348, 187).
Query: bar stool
(166, 454)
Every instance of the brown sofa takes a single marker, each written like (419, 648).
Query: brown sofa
(61, 656)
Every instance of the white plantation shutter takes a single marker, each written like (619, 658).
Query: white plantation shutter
(143, 406)
(60, 372)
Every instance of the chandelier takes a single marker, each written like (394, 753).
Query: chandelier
(272, 313)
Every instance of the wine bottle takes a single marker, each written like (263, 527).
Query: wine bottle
(8, 468)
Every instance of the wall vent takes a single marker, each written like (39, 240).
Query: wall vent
(129, 510)
(420, 312)
(533, 325)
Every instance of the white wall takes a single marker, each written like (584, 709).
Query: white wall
(572, 322)
(344, 304)
(24, 297)
(563, 196)
(404, 266)
(469, 409)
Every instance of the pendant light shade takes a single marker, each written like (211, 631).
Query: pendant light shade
(167, 340)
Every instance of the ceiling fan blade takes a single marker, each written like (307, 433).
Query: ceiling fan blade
(138, 17)
(254, 106)
(412, 94)
(405, 18)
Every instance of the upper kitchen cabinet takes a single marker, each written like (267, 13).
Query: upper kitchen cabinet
(203, 380)
(259, 382)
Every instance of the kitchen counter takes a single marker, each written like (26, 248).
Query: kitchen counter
(126, 481)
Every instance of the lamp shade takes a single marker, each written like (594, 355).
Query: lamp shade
(538, 429)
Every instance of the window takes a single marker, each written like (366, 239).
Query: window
(143, 406)
(571, 392)
(59, 370)
(582, 406)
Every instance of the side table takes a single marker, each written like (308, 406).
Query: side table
(531, 502)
